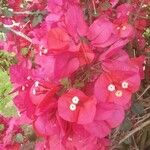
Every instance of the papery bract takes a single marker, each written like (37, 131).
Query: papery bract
(84, 111)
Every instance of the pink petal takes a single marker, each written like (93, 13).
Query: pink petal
(98, 128)
(100, 88)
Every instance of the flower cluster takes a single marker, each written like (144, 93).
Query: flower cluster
(74, 78)
(11, 133)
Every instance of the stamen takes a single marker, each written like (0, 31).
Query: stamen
(23, 88)
(28, 78)
(69, 139)
(125, 85)
(75, 100)
(34, 91)
(118, 93)
(72, 107)
(124, 28)
(36, 83)
(111, 87)
(45, 51)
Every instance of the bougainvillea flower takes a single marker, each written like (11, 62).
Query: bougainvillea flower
(75, 106)
(114, 2)
(117, 83)
(23, 103)
(85, 54)
(107, 116)
(43, 63)
(54, 6)
(100, 31)
(46, 124)
(75, 24)
(58, 43)
(115, 52)
(53, 142)
(79, 138)
(9, 130)
(20, 76)
(41, 90)
(140, 62)
(111, 113)
(58, 40)
(51, 67)
(124, 29)
(67, 60)
(15, 4)
(124, 10)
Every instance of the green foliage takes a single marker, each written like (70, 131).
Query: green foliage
(2, 127)
(37, 20)
(126, 125)
(19, 138)
(6, 105)
(38, 17)
(146, 34)
(137, 108)
(6, 60)
(66, 83)
(6, 12)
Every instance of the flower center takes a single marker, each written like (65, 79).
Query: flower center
(125, 85)
(23, 88)
(118, 93)
(34, 91)
(124, 28)
(75, 100)
(72, 107)
(36, 83)
(111, 87)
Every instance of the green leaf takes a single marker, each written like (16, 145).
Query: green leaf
(2, 36)
(128, 141)
(7, 12)
(24, 51)
(105, 5)
(2, 127)
(66, 83)
(37, 19)
(79, 84)
(137, 109)
(126, 125)
(19, 138)
(7, 107)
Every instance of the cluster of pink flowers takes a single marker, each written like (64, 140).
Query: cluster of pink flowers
(76, 81)
(9, 130)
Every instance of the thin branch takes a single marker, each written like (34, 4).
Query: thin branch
(143, 119)
(19, 33)
(139, 10)
(144, 92)
(146, 123)
(24, 13)
(136, 147)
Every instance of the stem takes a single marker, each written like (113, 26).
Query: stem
(144, 92)
(138, 11)
(18, 33)
(24, 12)
(94, 7)
(134, 131)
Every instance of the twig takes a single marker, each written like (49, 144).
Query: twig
(143, 119)
(136, 147)
(19, 33)
(138, 11)
(144, 92)
(24, 12)
(134, 131)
